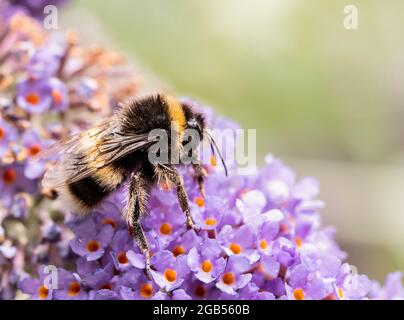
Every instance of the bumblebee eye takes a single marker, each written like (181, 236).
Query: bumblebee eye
(191, 122)
(194, 124)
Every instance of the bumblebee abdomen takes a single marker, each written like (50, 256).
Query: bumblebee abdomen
(88, 192)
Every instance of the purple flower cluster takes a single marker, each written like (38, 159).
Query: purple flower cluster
(48, 86)
(34, 8)
(261, 235)
(261, 238)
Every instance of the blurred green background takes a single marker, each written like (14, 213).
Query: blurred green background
(327, 100)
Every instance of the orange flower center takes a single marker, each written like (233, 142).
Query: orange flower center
(170, 275)
(341, 293)
(122, 258)
(331, 296)
(260, 268)
(200, 291)
(166, 229)
(2, 133)
(263, 244)
(57, 96)
(165, 186)
(298, 294)
(93, 245)
(299, 242)
(200, 202)
(243, 192)
(34, 149)
(178, 250)
(106, 286)
(210, 221)
(228, 278)
(283, 228)
(74, 289)
(146, 290)
(43, 292)
(9, 176)
(206, 266)
(111, 222)
(213, 161)
(235, 248)
(32, 98)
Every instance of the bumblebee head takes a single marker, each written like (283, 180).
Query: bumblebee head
(194, 120)
(197, 122)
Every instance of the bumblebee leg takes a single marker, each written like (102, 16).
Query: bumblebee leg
(200, 174)
(171, 174)
(136, 209)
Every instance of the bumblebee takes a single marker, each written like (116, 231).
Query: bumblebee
(94, 163)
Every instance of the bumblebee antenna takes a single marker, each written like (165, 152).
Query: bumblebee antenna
(214, 146)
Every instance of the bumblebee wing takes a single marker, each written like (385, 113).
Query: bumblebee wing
(73, 144)
(105, 152)
(92, 150)
(118, 146)
(64, 156)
